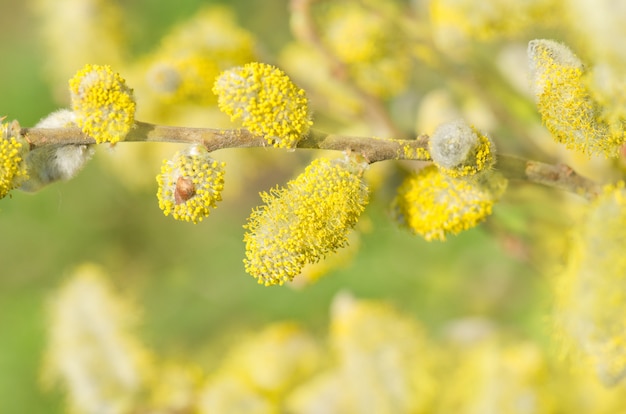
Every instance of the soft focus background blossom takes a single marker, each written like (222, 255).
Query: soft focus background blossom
(480, 291)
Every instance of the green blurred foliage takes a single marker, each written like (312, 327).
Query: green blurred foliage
(189, 279)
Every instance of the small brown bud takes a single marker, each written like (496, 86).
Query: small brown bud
(184, 190)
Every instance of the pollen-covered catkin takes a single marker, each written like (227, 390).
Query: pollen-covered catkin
(103, 104)
(566, 106)
(13, 149)
(266, 102)
(304, 221)
(435, 205)
(190, 184)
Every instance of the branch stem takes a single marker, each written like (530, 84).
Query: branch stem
(373, 149)
(558, 176)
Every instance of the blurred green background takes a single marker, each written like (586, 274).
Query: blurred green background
(189, 280)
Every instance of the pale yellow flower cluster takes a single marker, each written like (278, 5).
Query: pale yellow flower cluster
(457, 191)
(91, 348)
(373, 358)
(368, 42)
(192, 55)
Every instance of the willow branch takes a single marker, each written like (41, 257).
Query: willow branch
(558, 176)
(372, 149)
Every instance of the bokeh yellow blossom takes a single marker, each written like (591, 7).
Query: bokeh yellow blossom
(225, 392)
(90, 350)
(304, 221)
(457, 23)
(103, 104)
(276, 358)
(591, 292)
(194, 53)
(266, 102)
(488, 375)
(190, 184)
(368, 41)
(79, 31)
(382, 362)
(435, 205)
(175, 387)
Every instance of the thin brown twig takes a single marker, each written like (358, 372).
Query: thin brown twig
(558, 176)
(372, 149)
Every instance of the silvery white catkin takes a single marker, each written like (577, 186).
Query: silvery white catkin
(451, 143)
(51, 163)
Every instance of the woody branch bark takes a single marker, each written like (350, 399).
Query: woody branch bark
(372, 149)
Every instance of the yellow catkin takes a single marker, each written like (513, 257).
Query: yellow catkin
(104, 106)
(190, 185)
(12, 168)
(434, 205)
(266, 102)
(566, 106)
(304, 221)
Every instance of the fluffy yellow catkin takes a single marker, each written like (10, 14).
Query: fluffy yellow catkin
(266, 102)
(304, 221)
(12, 152)
(566, 106)
(103, 104)
(435, 205)
(190, 184)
